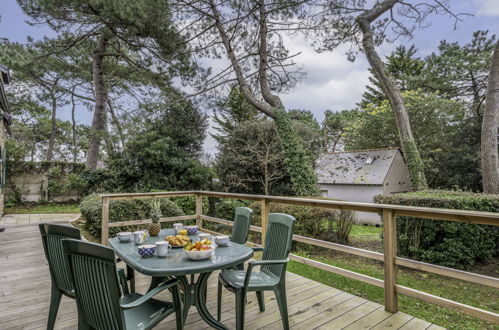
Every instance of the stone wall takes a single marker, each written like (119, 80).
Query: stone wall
(33, 188)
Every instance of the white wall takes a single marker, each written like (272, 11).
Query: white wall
(355, 193)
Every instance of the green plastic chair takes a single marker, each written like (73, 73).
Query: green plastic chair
(272, 274)
(100, 302)
(52, 236)
(242, 221)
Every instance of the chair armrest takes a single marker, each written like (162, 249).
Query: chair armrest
(251, 264)
(150, 294)
(267, 262)
(257, 248)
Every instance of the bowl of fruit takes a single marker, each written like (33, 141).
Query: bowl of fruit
(199, 250)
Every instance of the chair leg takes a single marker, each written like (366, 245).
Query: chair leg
(219, 301)
(130, 273)
(261, 300)
(280, 294)
(55, 300)
(240, 308)
(82, 323)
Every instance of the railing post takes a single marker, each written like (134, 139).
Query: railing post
(105, 221)
(390, 249)
(265, 218)
(199, 210)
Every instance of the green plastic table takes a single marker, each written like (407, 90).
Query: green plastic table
(176, 264)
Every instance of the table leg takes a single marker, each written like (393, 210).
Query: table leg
(201, 302)
(186, 295)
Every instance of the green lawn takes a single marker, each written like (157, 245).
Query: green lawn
(471, 294)
(42, 208)
(359, 230)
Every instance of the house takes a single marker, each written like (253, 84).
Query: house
(358, 176)
(4, 124)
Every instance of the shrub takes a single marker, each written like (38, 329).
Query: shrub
(451, 244)
(122, 210)
(226, 208)
(319, 223)
(88, 182)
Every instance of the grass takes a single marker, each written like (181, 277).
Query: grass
(468, 293)
(32, 208)
(359, 230)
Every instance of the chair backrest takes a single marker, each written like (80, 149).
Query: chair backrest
(93, 271)
(52, 236)
(278, 239)
(242, 221)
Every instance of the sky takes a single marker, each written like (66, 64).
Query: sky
(331, 81)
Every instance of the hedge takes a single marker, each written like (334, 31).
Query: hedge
(122, 210)
(446, 243)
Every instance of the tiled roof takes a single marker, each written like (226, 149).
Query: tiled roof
(355, 167)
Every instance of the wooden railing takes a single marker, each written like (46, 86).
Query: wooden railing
(389, 257)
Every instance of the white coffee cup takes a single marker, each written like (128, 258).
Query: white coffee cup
(139, 236)
(162, 248)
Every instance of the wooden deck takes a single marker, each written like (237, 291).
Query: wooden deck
(25, 292)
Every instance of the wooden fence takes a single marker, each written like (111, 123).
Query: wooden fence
(389, 257)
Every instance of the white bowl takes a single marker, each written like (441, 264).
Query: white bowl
(199, 255)
(222, 240)
(124, 236)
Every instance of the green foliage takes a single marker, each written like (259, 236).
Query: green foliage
(158, 156)
(334, 127)
(436, 126)
(251, 158)
(297, 159)
(232, 113)
(451, 244)
(88, 182)
(323, 224)
(18, 167)
(122, 210)
(155, 211)
(403, 67)
(226, 208)
(415, 166)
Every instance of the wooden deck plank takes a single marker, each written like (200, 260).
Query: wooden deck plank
(415, 324)
(368, 320)
(350, 316)
(395, 321)
(25, 295)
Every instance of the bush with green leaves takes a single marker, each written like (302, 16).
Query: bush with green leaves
(122, 210)
(319, 223)
(452, 244)
(88, 182)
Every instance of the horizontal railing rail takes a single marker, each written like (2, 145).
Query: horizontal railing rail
(389, 257)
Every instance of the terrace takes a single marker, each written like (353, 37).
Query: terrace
(25, 285)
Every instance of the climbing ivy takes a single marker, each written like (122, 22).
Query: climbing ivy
(296, 158)
(414, 166)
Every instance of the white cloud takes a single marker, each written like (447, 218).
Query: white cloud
(488, 7)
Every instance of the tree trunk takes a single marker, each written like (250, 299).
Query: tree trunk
(408, 144)
(73, 128)
(53, 128)
(99, 121)
(489, 153)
